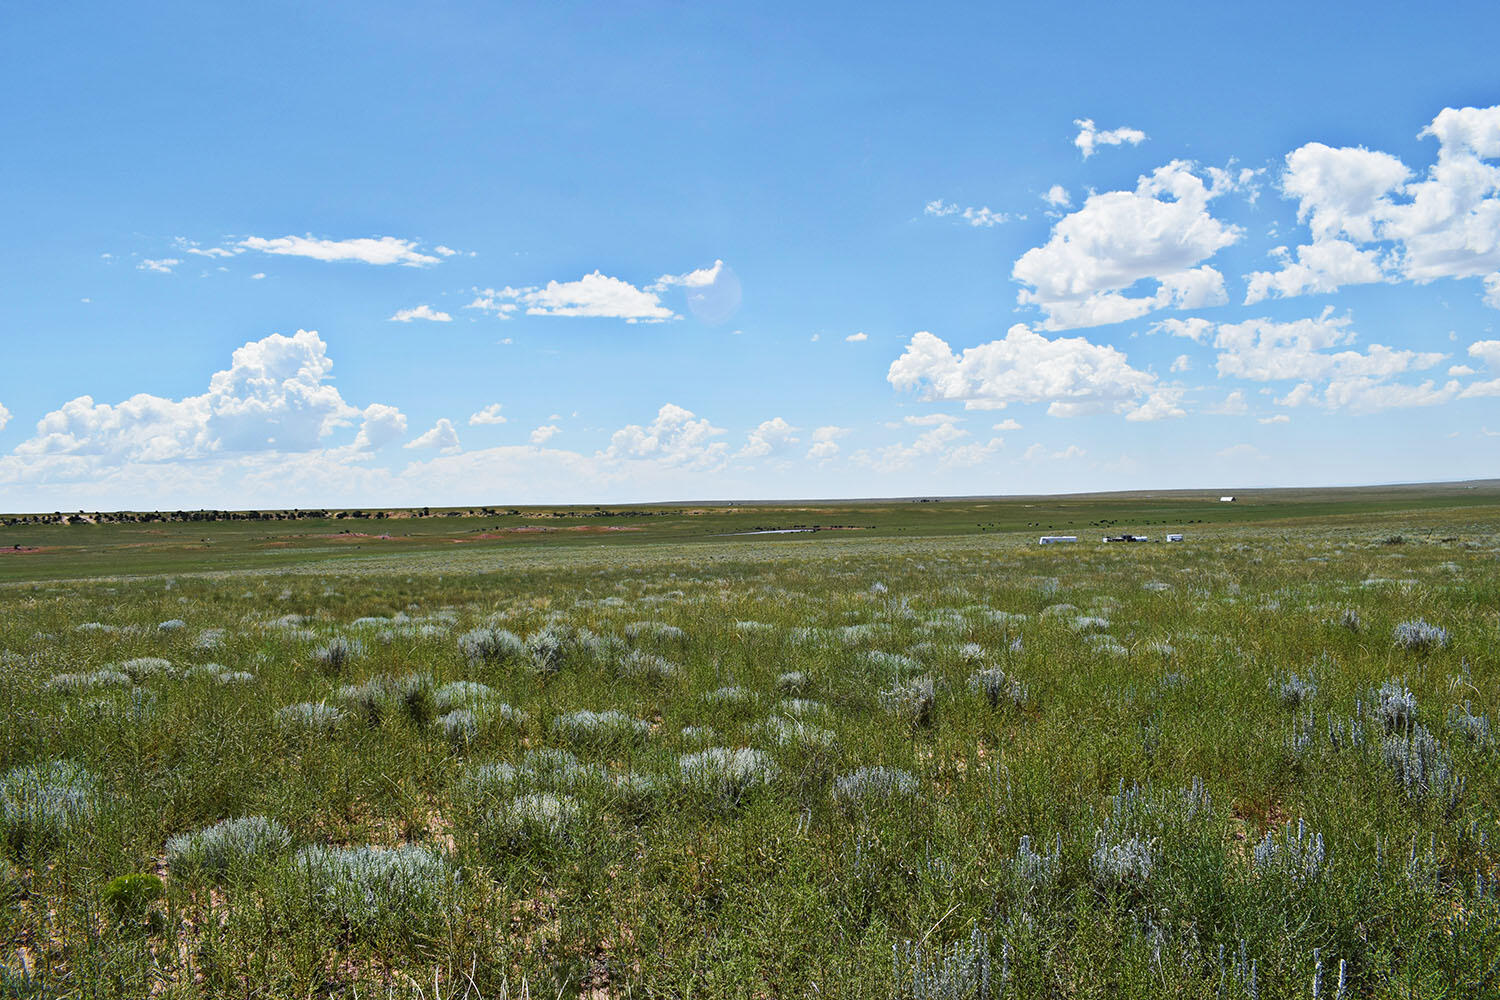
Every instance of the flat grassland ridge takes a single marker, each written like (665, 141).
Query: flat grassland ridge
(595, 753)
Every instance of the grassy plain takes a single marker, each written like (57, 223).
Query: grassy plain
(919, 758)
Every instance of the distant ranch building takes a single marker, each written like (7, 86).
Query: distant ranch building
(1226, 499)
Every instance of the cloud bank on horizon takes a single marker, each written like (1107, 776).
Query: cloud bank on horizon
(1327, 303)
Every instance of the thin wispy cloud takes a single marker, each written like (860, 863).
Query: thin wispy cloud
(377, 250)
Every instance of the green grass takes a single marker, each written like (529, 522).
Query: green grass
(1156, 737)
(32, 551)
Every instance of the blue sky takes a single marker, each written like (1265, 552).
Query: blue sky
(288, 254)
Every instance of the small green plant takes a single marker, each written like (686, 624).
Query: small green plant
(131, 899)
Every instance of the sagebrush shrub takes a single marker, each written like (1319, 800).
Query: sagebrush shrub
(40, 803)
(226, 847)
(1126, 863)
(370, 890)
(997, 688)
(537, 819)
(912, 701)
(871, 787)
(600, 728)
(310, 717)
(337, 654)
(87, 681)
(491, 645)
(1395, 706)
(721, 778)
(1418, 636)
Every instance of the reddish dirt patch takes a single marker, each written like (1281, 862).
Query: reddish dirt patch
(25, 550)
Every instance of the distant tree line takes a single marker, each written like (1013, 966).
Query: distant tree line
(192, 516)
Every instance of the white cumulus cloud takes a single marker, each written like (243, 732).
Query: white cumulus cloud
(1071, 374)
(275, 397)
(545, 433)
(162, 266)
(1090, 138)
(489, 415)
(421, 312)
(1263, 350)
(676, 438)
(381, 426)
(856, 338)
(596, 295)
(442, 436)
(771, 437)
(1372, 218)
(825, 442)
(366, 249)
(982, 218)
(1161, 232)
(701, 278)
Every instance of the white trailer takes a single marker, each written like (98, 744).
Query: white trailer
(1173, 537)
(1054, 539)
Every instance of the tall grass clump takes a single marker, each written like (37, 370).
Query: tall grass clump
(731, 695)
(227, 847)
(462, 694)
(481, 787)
(793, 732)
(144, 668)
(549, 648)
(1033, 871)
(40, 803)
(642, 665)
(1474, 728)
(1125, 863)
(459, 727)
(792, 682)
(657, 631)
(390, 695)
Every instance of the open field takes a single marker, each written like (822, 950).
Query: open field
(173, 542)
(919, 757)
